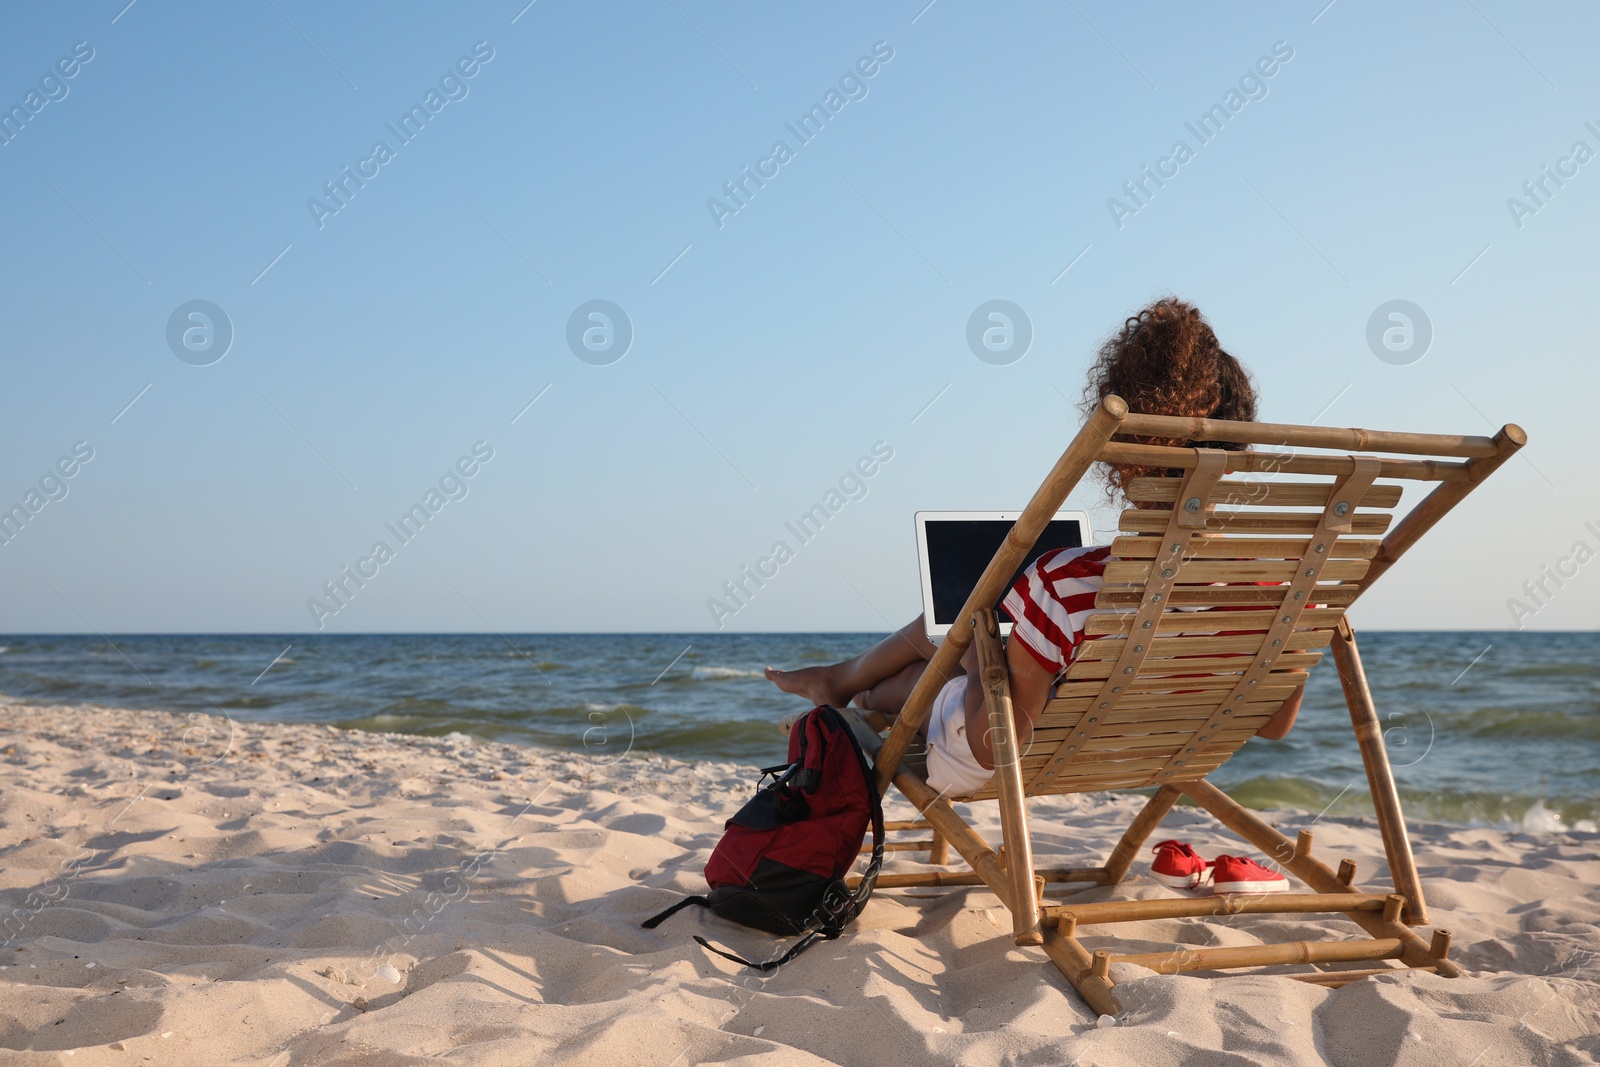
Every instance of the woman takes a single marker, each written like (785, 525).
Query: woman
(1165, 361)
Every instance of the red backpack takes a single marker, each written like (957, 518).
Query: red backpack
(780, 866)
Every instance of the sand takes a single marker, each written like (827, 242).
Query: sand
(189, 890)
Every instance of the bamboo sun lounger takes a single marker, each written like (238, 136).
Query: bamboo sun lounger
(1161, 692)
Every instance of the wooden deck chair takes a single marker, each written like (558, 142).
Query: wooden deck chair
(1284, 532)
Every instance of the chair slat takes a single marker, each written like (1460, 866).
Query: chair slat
(1112, 775)
(1201, 622)
(1167, 742)
(1107, 764)
(1047, 786)
(1272, 462)
(1175, 717)
(1138, 703)
(1197, 645)
(1147, 547)
(1152, 520)
(1233, 493)
(1065, 710)
(1135, 703)
(1224, 596)
(1122, 774)
(1058, 727)
(1101, 668)
(1192, 682)
(1299, 437)
(1239, 570)
(1047, 736)
(1053, 722)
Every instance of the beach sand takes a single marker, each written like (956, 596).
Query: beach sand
(189, 890)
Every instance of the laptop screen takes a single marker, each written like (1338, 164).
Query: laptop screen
(958, 548)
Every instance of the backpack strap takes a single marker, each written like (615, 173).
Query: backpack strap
(656, 920)
(811, 937)
(869, 877)
(809, 763)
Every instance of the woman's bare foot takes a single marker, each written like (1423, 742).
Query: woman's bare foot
(816, 684)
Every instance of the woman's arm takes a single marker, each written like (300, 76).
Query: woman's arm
(1030, 688)
(1278, 727)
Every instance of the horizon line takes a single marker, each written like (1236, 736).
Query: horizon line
(626, 633)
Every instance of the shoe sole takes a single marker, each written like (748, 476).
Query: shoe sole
(1176, 881)
(1277, 886)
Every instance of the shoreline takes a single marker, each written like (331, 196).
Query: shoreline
(1508, 811)
(195, 893)
(1509, 724)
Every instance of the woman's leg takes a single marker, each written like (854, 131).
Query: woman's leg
(890, 695)
(836, 683)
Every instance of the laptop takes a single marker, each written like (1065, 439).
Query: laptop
(953, 548)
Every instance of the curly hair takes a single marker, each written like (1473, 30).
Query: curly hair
(1167, 361)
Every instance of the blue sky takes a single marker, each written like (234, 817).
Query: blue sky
(374, 346)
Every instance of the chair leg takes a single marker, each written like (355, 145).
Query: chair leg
(1008, 779)
(939, 854)
(1249, 826)
(1139, 832)
(973, 848)
(1074, 962)
(1380, 776)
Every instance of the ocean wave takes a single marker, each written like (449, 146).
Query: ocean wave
(1511, 723)
(1554, 670)
(386, 719)
(736, 740)
(719, 674)
(1542, 820)
(56, 685)
(566, 716)
(542, 665)
(1507, 812)
(258, 699)
(425, 707)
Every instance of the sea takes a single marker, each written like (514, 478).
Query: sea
(1484, 729)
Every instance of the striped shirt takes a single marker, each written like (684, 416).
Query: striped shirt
(1052, 601)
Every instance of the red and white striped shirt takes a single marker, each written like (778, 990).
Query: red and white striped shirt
(1053, 600)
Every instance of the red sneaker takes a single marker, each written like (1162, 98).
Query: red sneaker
(1235, 874)
(1177, 865)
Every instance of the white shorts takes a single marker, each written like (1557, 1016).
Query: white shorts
(952, 768)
